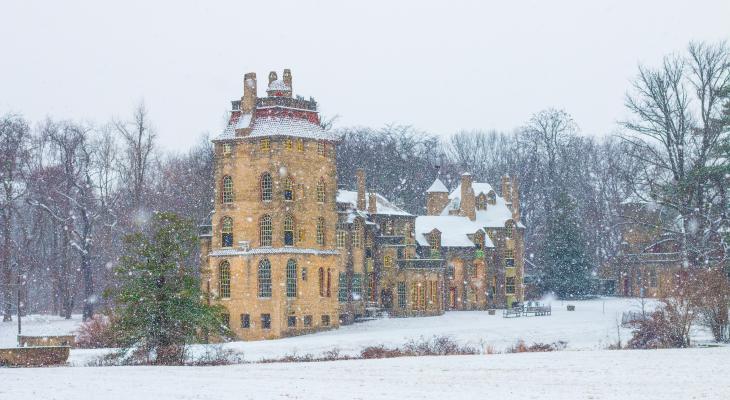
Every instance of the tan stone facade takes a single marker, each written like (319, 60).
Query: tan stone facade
(288, 253)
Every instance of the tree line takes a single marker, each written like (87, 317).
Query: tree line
(72, 191)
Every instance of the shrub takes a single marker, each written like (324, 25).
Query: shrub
(98, 332)
(521, 347)
(658, 331)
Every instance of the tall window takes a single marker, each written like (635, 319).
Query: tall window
(356, 234)
(264, 278)
(401, 294)
(357, 286)
(291, 278)
(288, 189)
(288, 143)
(329, 282)
(265, 230)
(227, 232)
(435, 242)
(509, 285)
(321, 197)
(265, 144)
(509, 258)
(341, 238)
(300, 145)
(321, 149)
(288, 230)
(320, 231)
(320, 274)
(224, 280)
(227, 189)
(342, 288)
(266, 187)
(434, 292)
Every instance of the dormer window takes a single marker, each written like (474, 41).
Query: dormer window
(481, 202)
(434, 241)
(492, 198)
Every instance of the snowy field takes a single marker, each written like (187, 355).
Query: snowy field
(592, 326)
(565, 375)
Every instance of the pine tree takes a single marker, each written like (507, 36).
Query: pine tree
(567, 267)
(159, 302)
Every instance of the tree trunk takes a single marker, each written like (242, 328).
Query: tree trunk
(7, 272)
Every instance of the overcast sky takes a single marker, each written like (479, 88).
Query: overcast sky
(439, 66)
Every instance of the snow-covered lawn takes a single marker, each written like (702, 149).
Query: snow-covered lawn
(591, 326)
(602, 374)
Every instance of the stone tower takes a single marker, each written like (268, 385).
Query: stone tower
(272, 260)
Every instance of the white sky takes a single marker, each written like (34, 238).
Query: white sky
(439, 66)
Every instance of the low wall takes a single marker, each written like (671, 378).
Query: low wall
(34, 356)
(44, 341)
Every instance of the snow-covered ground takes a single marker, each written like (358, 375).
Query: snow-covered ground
(591, 326)
(566, 375)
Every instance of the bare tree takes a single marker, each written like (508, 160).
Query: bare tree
(14, 150)
(139, 140)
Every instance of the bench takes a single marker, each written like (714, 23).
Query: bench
(512, 312)
(537, 311)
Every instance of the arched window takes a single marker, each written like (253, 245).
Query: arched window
(266, 187)
(291, 278)
(288, 189)
(227, 189)
(288, 230)
(264, 278)
(227, 232)
(265, 230)
(356, 234)
(321, 195)
(321, 281)
(320, 231)
(224, 280)
(329, 282)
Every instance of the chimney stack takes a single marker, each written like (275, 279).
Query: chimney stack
(506, 191)
(360, 189)
(515, 200)
(287, 79)
(372, 203)
(248, 101)
(467, 205)
(272, 76)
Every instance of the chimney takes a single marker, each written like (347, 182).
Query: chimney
(272, 76)
(287, 79)
(360, 189)
(248, 101)
(467, 206)
(372, 203)
(506, 191)
(515, 200)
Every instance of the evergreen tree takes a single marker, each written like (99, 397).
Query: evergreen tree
(159, 302)
(567, 268)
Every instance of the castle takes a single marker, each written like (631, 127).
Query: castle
(287, 253)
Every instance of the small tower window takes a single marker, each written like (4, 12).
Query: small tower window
(320, 231)
(492, 198)
(227, 149)
(321, 148)
(266, 187)
(227, 189)
(321, 191)
(288, 230)
(300, 145)
(288, 189)
(224, 280)
(265, 230)
(227, 232)
(288, 143)
(265, 144)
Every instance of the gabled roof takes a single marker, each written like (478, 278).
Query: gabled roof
(384, 206)
(437, 187)
(495, 216)
(454, 230)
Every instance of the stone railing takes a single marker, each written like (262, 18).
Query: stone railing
(45, 341)
(34, 356)
(420, 263)
(286, 102)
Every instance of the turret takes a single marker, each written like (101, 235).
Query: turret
(437, 198)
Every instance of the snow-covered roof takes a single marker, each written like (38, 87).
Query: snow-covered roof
(454, 230)
(278, 85)
(384, 206)
(495, 216)
(287, 126)
(437, 187)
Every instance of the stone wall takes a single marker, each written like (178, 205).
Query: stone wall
(34, 356)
